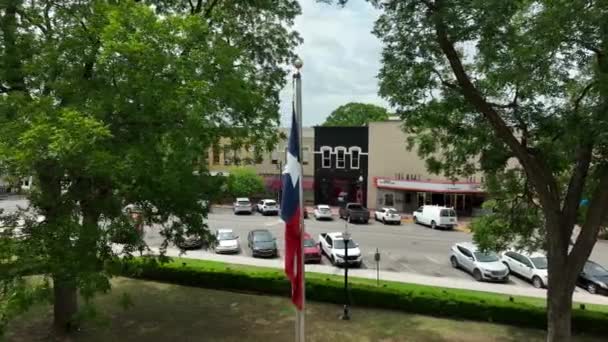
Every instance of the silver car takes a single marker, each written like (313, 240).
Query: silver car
(243, 205)
(483, 266)
(227, 242)
(323, 212)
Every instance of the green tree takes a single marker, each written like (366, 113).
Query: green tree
(244, 182)
(356, 114)
(108, 103)
(523, 80)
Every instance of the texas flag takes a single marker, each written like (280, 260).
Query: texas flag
(290, 213)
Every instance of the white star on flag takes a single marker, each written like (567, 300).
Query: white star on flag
(293, 169)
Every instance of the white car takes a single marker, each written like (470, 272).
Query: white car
(483, 266)
(333, 246)
(227, 242)
(387, 215)
(436, 216)
(243, 205)
(323, 212)
(268, 207)
(532, 266)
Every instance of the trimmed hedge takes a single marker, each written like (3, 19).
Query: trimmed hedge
(426, 300)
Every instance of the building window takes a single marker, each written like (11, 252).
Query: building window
(326, 157)
(216, 154)
(274, 156)
(408, 198)
(340, 157)
(389, 200)
(355, 155)
(305, 153)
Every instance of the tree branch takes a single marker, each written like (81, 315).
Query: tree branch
(33, 22)
(542, 178)
(582, 95)
(598, 208)
(446, 83)
(210, 8)
(577, 183)
(199, 6)
(191, 6)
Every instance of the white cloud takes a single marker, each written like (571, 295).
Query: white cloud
(341, 59)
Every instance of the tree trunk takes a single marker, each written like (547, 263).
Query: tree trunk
(561, 279)
(65, 305)
(559, 311)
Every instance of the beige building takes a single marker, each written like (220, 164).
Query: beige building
(269, 164)
(398, 177)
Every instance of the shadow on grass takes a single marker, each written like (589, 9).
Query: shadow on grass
(163, 312)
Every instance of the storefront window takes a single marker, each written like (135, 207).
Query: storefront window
(389, 200)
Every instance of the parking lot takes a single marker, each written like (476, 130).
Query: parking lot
(404, 248)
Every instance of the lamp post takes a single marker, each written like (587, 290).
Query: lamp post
(346, 238)
(360, 190)
(280, 167)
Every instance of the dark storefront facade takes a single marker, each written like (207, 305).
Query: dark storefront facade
(341, 164)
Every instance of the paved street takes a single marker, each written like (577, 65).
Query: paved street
(406, 248)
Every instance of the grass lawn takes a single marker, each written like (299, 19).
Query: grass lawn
(163, 312)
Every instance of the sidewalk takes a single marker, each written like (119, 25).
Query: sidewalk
(403, 277)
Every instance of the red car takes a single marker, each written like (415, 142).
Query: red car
(312, 252)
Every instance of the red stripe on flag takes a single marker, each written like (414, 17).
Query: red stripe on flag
(293, 255)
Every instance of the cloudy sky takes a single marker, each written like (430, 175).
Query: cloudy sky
(341, 59)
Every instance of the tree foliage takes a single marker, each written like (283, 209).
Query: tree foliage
(244, 182)
(109, 103)
(484, 83)
(356, 114)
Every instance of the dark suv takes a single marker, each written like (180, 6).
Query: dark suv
(262, 243)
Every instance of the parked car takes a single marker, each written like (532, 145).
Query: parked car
(532, 266)
(436, 216)
(333, 246)
(226, 241)
(323, 212)
(483, 266)
(242, 205)
(594, 278)
(190, 242)
(387, 215)
(312, 251)
(262, 243)
(268, 207)
(354, 212)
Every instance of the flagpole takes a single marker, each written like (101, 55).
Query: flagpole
(300, 314)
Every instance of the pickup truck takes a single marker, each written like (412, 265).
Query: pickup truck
(354, 212)
(332, 245)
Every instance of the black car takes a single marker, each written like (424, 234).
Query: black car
(262, 243)
(190, 242)
(594, 278)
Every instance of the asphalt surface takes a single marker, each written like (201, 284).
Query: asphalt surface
(405, 248)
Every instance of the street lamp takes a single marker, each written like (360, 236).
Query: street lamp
(280, 167)
(346, 238)
(360, 190)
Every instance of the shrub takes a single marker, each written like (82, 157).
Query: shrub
(411, 298)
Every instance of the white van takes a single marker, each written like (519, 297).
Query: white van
(436, 216)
